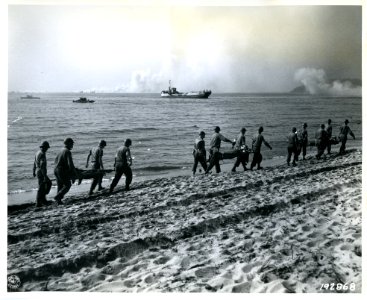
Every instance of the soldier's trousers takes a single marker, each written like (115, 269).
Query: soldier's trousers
(292, 150)
(44, 187)
(214, 161)
(96, 180)
(342, 147)
(63, 180)
(257, 159)
(199, 158)
(320, 149)
(120, 170)
(242, 158)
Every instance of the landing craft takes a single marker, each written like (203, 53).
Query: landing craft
(172, 92)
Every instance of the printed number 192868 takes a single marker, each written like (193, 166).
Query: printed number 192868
(338, 287)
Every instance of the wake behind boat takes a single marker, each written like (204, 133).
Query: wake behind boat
(83, 100)
(172, 92)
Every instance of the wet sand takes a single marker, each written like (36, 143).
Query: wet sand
(280, 229)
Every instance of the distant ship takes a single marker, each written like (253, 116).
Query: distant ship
(29, 97)
(83, 100)
(172, 92)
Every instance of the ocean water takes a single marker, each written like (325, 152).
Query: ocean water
(162, 130)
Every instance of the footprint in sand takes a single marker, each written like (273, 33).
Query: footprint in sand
(242, 288)
(128, 283)
(161, 260)
(306, 228)
(311, 244)
(249, 267)
(207, 272)
(149, 279)
(346, 247)
(313, 234)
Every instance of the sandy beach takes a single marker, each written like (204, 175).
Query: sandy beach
(280, 229)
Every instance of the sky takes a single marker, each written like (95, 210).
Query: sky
(250, 49)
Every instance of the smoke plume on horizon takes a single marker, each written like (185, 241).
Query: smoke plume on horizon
(316, 82)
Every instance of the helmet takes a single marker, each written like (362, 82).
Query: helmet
(45, 145)
(68, 141)
(102, 143)
(128, 142)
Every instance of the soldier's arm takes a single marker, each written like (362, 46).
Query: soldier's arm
(34, 168)
(224, 139)
(352, 134)
(100, 160)
(72, 169)
(43, 168)
(128, 157)
(90, 153)
(267, 144)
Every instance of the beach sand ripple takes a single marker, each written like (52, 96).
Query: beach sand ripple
(281, 229)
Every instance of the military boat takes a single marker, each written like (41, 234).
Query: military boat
(83, 100)
(29, 97)
(172, 92)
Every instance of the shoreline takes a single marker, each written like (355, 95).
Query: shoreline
(27, 199)
(273, 230)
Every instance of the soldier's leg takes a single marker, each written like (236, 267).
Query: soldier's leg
(254, 160)
(129, 177)
(41, 193)
(66, 187)
(236, 163)
(117, 177)
(202, 161)
(304, 149)
(211, 162)
(196, 161)
(217, 164)
(94, 184)
(259, 160)
(329, 147)
(289, 155)
(342, 147)
(100, 187)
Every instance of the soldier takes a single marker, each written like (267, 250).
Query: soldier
(292, 146)
(65, 171)
(321, 141)
(122, 165)
(329, 131)
(40, 170)
(199, 152)
(96, 153)
(214, 150)
(257, 141)
(240, 147)
(343, 136)
(304, 140)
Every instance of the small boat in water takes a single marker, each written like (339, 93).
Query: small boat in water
(172, 92)
(29, 97)
(83, 100)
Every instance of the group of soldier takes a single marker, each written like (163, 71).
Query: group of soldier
(240, 150)
(66, 173)
(297, 144)
(323, 140)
